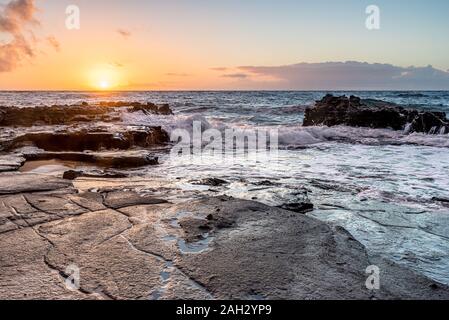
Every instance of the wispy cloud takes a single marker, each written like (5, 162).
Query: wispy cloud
(124, 33)
(349, 75)
(116, 64)
(174, 74)
(54, 43)
(236, 75)
(219, 69)
(148, 85)
(16, 18)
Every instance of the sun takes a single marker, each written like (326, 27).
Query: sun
(104, 77)
(104, 84)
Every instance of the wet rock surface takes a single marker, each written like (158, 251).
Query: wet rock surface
(109, 159)
(302, 207)
(84, 133)
(119, 138)
(65, 115)
(105, 174)
(10, 162)
(211, 182)
(130, 245)
(14, 183)
(122, 199)
(355, 112)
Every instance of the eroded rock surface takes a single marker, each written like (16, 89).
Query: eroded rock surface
(135, 246)
(355, 112)
(110, 159)
(65, 115)
(14, 183)
(11, 162)
(94, 173)
(84, 133)
(120, 138)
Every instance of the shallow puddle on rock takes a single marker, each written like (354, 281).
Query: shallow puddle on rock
(169, 238)
(195, 247)
(50, 166)
(165, 276)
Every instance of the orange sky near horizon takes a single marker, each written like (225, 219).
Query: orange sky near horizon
(83, 62)
(98, 57)
(184, 45)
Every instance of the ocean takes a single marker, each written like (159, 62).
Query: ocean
(385, 187)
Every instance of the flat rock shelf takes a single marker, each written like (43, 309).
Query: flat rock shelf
(129, 245)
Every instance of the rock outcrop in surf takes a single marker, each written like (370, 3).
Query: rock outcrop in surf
(357, 112)
(92, 134)
(83, 112)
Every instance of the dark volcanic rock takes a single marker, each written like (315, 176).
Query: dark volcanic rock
(302, 207)
(79, 133)
(117, 159)
(132, 246)
(90, 140)
(152, 109)
(213, 182)
(65, 115)
(54, 115)
(266, 183)
(72, 175)
(355, 112)
(108, 174)
(147, 108)
(442, 201)
(122, 199)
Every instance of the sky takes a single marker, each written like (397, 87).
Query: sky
(224, 45)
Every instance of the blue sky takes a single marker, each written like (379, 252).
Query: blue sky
(413, 32)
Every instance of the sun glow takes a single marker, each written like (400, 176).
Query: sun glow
(104, 78)
(104, 84)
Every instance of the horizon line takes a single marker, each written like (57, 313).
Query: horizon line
(224, 90)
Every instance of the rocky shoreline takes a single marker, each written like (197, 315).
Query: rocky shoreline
(135, 246)
(356, 112)
(129, 244)
(85, 133)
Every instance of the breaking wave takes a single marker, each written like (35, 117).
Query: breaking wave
(297, 135)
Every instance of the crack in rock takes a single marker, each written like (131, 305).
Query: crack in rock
(403, 227)
(101, 292)
(169, 264)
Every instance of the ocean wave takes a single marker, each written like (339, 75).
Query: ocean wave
(311, 135)
(284, 110)
(294, 136)
(411, 95)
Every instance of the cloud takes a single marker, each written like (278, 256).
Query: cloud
(15, 14)
(174, 74)
(236, 75)
(53, 42)
(16, 19)
(219, 69)
(147, 85)
(350, 75)
(116, 64)
(124, 33)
